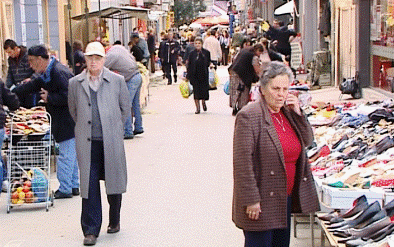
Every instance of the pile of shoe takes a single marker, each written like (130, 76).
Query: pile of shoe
(358, 151)
(363, 225)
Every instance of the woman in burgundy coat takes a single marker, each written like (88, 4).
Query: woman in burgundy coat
(272, 176)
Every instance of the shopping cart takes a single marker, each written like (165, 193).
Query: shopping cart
(29, 156)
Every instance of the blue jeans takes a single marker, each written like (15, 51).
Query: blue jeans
(67, 166)
(271, 238)
(134, 86)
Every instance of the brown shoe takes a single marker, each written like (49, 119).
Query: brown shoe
(90, 240)
(115, 229)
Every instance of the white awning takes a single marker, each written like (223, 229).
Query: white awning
(287, 8)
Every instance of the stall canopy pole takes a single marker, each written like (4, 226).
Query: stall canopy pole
(87, 19)
(71, 37)
(99, 6)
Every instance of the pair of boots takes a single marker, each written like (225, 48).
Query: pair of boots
(204, 106)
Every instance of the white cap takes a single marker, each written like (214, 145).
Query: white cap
(95, 48)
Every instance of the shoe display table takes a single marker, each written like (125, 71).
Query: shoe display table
(333, 240)
(311, 223)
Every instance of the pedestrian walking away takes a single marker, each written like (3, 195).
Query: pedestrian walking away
(52, 84)
(243, 72)
(120, 60)
(99, 103)
(19, 71)
(225, 41)
(151, 40)
(198, 74)
(169, 52)
(272, 175)
(212, 44)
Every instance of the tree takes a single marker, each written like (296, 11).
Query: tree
(186, 11)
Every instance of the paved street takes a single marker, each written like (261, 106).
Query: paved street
(179, 190)
(180, 183)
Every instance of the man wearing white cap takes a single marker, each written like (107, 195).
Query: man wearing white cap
(99, 103)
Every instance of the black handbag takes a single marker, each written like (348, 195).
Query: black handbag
(348, 86)
(351, 86)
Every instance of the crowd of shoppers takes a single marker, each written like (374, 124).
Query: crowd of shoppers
(95, 110)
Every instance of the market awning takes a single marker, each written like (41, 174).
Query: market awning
(214, 20)
(286, 8)
(119, 13)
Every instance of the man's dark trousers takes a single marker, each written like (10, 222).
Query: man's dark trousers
(167, 68)
(91, 218)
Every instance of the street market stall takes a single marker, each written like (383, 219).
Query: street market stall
(354, 158)
(122, 14)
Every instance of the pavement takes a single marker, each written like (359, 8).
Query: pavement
(179, 181)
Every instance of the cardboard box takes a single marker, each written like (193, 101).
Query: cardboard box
(338, 198)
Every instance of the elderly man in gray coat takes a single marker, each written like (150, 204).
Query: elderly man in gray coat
(99, 104)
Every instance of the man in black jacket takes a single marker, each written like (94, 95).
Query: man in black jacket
(12, 102)
(52, 83)
(19, 70)
(152, 47)
(168, 53)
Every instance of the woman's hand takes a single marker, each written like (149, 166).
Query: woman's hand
(293, 103)
(253, 211)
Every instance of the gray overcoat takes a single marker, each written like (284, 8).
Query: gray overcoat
(114, 107)
(260, 173)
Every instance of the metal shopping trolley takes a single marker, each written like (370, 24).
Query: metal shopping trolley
(29, 156)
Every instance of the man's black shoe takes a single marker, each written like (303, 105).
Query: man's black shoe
(128, 137)
(90, 240)
(61, 195)
(111, 229)
(75, 191)
(138, 132)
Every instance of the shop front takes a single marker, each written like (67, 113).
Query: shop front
(382, 44)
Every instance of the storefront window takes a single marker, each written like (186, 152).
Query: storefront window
(382, 41)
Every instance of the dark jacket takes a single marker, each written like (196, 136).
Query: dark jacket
(259, 169)
(189, 48)
(137, 53)
(18, 68)
(192, 71)
(169, 51)
(274, 56)
(283, 45)
(79, 61)
(57, 106)
(8, 99)
(242, 65)
(151, 43)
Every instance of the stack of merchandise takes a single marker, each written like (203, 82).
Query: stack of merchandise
(363, 225)
(356, 149)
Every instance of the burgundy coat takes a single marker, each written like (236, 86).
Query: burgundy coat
(259, 169)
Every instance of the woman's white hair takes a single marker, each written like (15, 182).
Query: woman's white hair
(275, 69)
